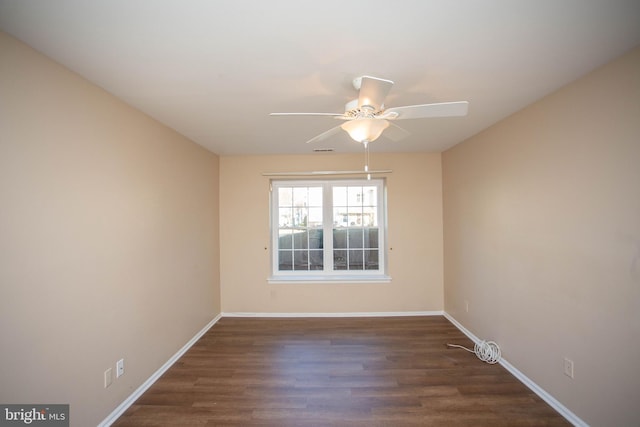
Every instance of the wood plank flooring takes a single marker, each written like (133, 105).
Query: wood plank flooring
(391, 371)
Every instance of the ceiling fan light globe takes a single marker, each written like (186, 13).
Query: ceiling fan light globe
(362, 130)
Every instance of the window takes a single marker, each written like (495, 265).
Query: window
(328, 230)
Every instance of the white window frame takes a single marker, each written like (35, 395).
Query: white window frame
(329, 274)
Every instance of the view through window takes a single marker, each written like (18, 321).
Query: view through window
(328, 228)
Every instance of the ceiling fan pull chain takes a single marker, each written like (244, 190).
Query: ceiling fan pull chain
(366, 159)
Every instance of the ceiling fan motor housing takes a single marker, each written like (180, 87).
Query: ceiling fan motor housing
(352, 111)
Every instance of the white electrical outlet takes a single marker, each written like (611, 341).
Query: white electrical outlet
(120, 368)
(108, 377)
(568, 367)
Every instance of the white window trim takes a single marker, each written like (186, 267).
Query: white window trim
(329, 275)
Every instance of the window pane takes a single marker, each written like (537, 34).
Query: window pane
(285, 196)
(285, 260)
(300, 239)
(339, 260)
(285, 241)
(355, 216)
(355, 260)
(315, 217)
(369, 217)
(315, 196)
(340, 238)
(339, 196)
(340, 217)
(355, 237)
(300, 260)
(300, 196)
(316, 261)
(369, 196)
(315, 239)
(354, 196)
(299, 217)
(285, 217)
(371, 260)
(371, 238)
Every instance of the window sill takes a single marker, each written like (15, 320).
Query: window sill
(311, 279)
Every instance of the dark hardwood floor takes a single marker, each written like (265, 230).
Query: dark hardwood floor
(391, 371)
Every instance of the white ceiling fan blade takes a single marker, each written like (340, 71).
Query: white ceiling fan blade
(373, 91)
(395, 132)
(444, 109)
(306, 114)
(325, 135)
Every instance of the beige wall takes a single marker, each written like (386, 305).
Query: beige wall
(109, 239)
(542, 238)
(415, 234)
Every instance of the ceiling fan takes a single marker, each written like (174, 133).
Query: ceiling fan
(366, 118)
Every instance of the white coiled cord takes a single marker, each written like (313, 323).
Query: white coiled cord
(487, 351)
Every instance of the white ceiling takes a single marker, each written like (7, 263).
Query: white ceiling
(214, 70)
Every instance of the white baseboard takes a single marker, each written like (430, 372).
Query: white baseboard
(351, 314)
(113, 416)
(552, 401)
